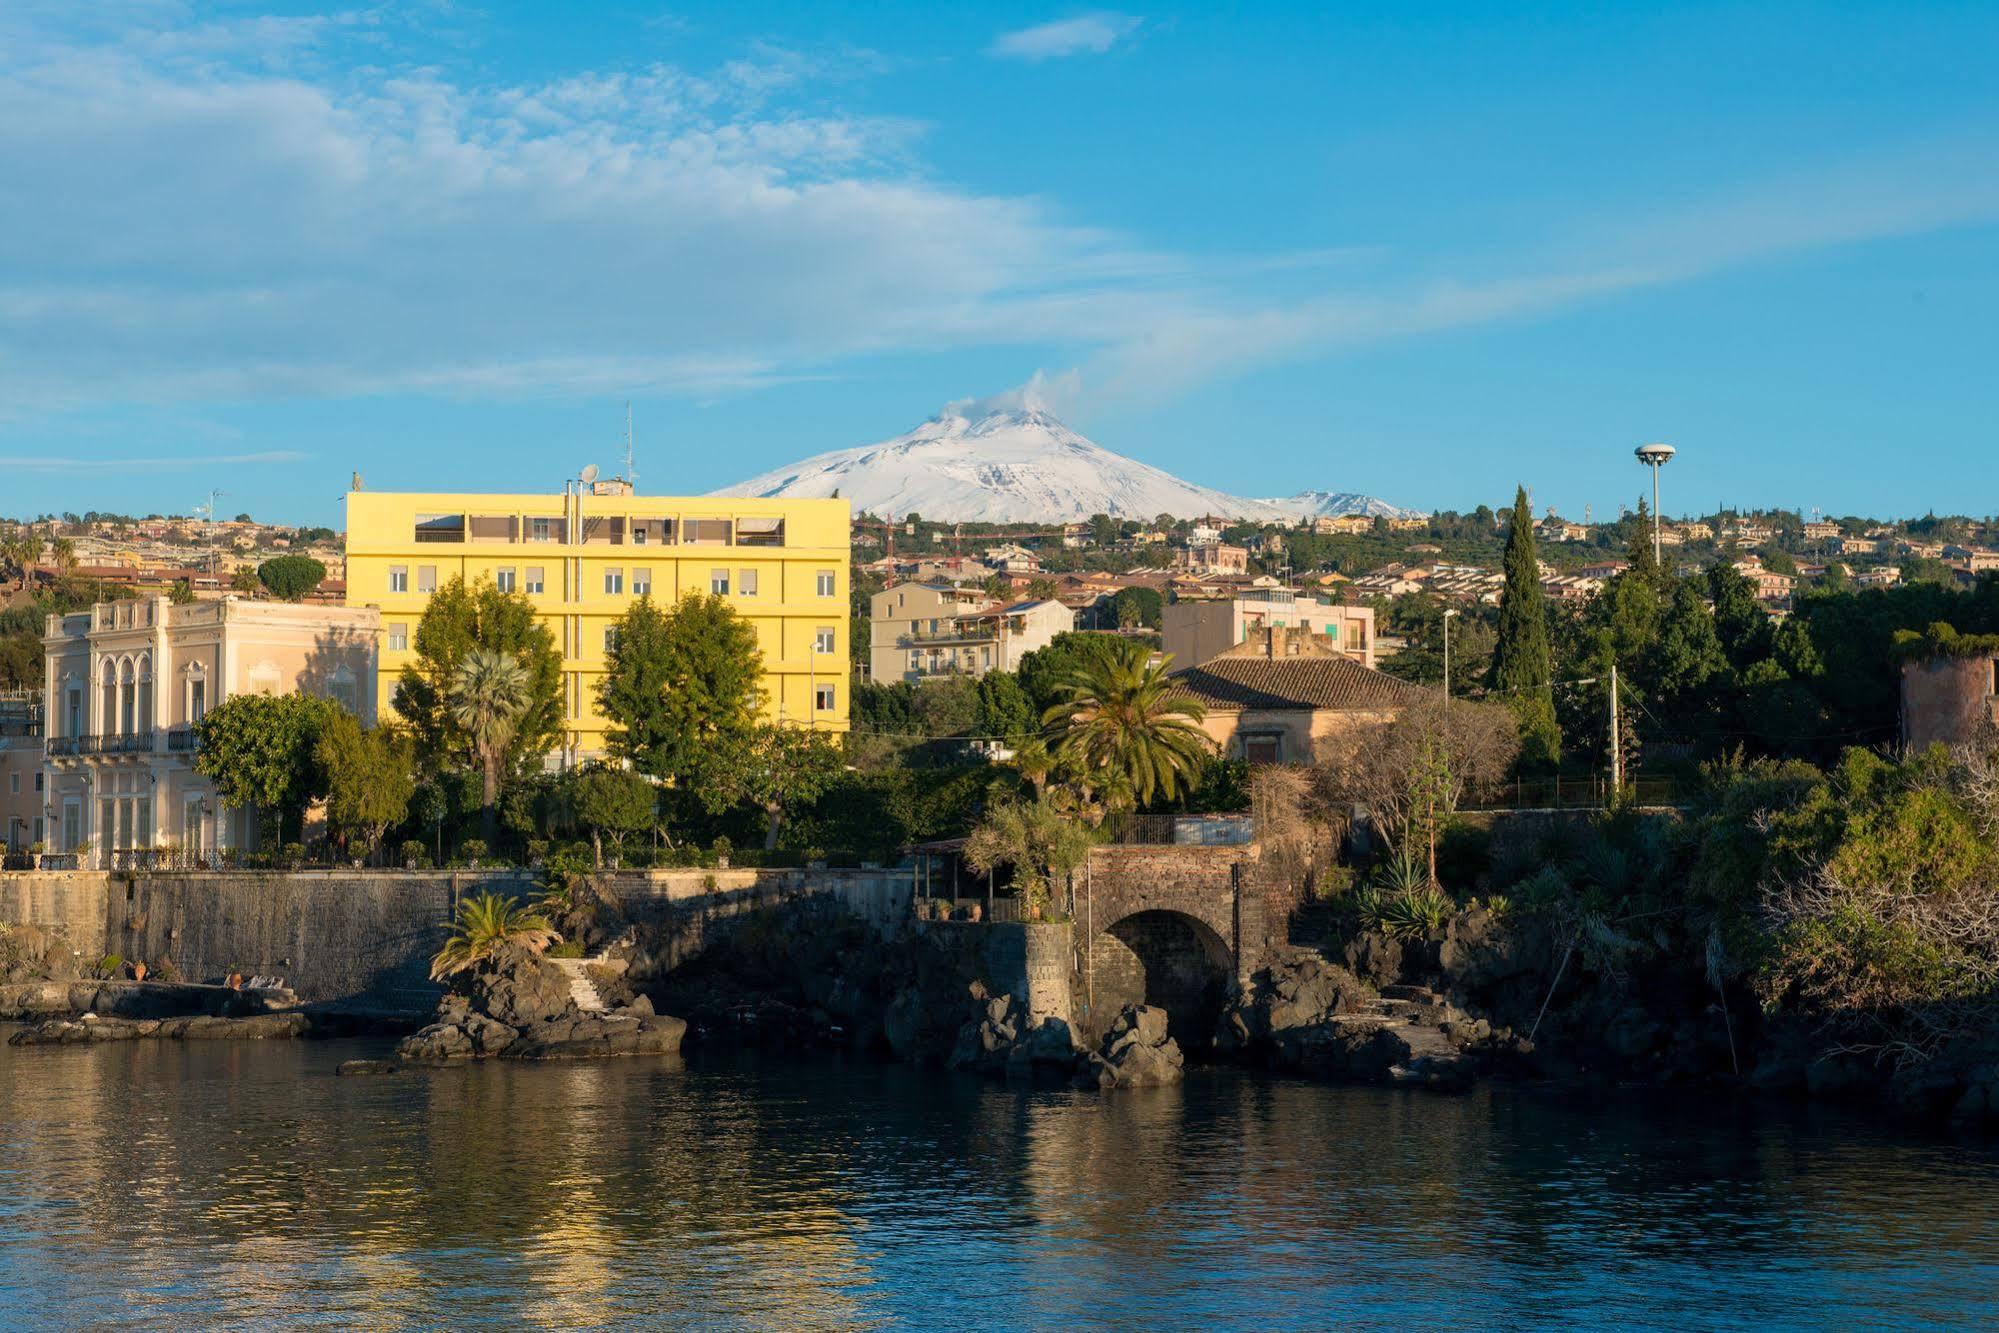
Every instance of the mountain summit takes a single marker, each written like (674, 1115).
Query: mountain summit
(1006, 465)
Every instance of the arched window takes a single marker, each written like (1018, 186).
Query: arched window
(128, 698)
(107, 704)
(145, 691)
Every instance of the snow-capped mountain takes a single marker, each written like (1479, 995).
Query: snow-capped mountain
(1340, 504)
(1007, 465)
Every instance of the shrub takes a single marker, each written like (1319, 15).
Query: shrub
(485, 923)
(1331, 882)
(414, 855)
(1406, 914)
(473, 851)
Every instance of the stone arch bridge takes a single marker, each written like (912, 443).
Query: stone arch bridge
(1172, 926)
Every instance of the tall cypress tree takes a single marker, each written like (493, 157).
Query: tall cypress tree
(1522, 665)
(1643, 559)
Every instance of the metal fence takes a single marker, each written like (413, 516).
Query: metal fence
(1575, 793)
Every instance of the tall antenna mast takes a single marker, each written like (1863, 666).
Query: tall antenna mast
(631, 469)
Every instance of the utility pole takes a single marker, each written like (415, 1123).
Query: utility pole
(1449, 611)
(1616, 745)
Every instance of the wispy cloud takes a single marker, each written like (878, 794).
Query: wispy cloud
(35, 463)
(1086, 34)
(214, 215)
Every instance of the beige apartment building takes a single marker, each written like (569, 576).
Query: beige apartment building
(921, 631)
(126, 682)
(1196, 632)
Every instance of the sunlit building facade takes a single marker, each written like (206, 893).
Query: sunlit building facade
(584, 556)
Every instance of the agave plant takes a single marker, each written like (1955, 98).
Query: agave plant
(1402, 873)
(1412, 915)
(487, 922)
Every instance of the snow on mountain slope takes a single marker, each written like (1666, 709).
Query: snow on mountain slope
(1017, 465)
(1339, 504)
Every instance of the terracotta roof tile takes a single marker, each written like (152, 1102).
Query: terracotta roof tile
(1337, 683)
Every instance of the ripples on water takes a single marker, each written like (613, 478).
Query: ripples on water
(187, 1185)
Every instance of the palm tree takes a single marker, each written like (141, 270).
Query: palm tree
(1120, 728)
(485, 923)
(21, 550)
(64, 555)
(489, 692)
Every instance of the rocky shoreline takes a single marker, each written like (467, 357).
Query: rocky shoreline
(518, 1005)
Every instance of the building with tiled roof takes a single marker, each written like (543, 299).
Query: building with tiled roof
(1271, 708)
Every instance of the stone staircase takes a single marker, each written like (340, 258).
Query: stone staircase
(581, 989)
(1408, 1014)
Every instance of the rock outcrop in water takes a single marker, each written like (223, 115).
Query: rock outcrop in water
(519, 1005)
(1305, 1015)
(1135, 1053)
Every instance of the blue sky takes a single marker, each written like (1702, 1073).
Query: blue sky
(1423, 252)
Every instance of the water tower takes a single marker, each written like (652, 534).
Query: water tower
(1655, 456)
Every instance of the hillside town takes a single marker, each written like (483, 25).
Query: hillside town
(998, 668)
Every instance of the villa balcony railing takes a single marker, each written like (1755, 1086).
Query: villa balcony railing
(955, 634)
(180, 740)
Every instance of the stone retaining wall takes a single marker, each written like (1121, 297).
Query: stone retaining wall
(69, 904)
(354, 935)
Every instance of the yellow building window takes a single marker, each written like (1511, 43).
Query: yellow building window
(718, 582)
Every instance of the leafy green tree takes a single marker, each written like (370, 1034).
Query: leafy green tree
(1740, 621)
(490, 693)
(610, 801)
(245, 580)
(290, 577)
(682, 682)
(1040, 842)
(1004, 708)
(775, 768)
(1779, 561)
(1686, 655)
(459, 620)
(1138, 608)
(1119, 725)
(370, 777)
(262, 753)
(1522, 662)
(1638, 551)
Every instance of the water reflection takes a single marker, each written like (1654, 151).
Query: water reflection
(185, 1184)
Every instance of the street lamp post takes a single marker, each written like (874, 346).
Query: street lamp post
(1655, 456)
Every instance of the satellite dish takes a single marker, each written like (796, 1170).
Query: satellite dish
(590, 473)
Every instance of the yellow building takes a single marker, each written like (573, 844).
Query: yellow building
(585, 556)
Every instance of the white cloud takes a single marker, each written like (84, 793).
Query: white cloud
(232, 212)
(1086, 34)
